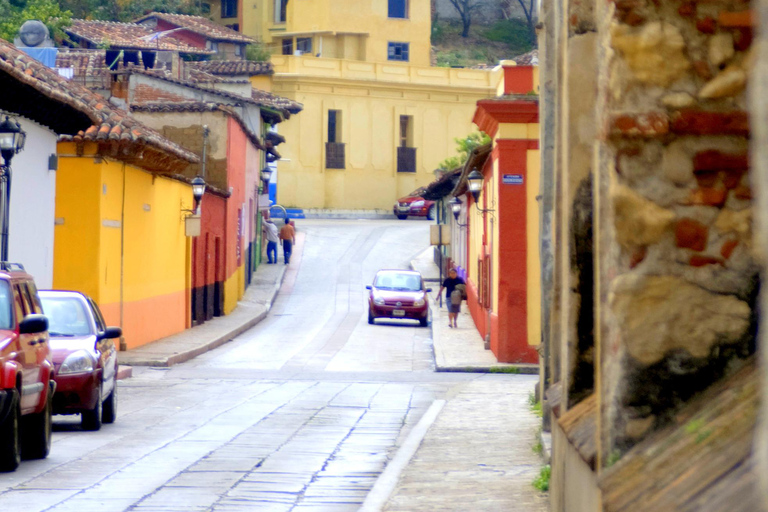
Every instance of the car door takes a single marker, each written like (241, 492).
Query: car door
(106, 348)
(34, 349)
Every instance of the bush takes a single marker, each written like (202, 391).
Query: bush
(541, 482)
(257, 52)
(514, 32)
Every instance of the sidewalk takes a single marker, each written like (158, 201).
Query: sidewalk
(250, 310)
(461, 349)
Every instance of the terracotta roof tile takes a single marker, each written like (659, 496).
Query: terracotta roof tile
(128, 36)
(200, 25)
(108, 122)
(233, 67)
(279, 102)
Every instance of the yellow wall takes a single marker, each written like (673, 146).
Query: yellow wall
(348, 28)
(131, 211)
(534, 256)
(371, 97)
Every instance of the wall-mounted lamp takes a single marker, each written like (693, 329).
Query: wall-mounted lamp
(455, 204)
(198, 190)
(266, 175)
(12, 139)
(475, 182)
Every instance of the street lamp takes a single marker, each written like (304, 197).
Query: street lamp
(455, 205)
(266, 175)
(198, 189)
(475, 183)
(12, 139)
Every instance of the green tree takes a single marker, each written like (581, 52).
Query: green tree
(464, 146)
(128, 10)
(14, 14)
(257, 52)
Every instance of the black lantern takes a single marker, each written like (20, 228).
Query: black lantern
(475, 183)
(12, 139)
(455, 204)
(266, 174)
(198, 189)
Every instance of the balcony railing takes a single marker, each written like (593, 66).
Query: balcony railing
(334, 155)
(406, 159)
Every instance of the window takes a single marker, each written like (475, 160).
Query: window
(304, 44)
(212, 45)
(398, 8)
(229, 8)
(406, 131)
(398, 51)
(234, 26)
(406, 153)
(334, 126)
(205, 8)
(288, 46)
(281, 9)
(239, 50)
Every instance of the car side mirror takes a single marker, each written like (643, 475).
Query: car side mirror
(428, 290)
(369, 287)
(111, 333)
(33, 324)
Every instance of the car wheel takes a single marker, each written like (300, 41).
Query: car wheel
(10, 447)
(370, 317)
(402, 217)
(423, 322)
(36, 440)
(109, 409)
(432, 213)
(92, 419)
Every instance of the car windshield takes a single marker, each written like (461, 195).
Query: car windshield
(6, 318)
(418, 192)
(66, 316)
(398, 282)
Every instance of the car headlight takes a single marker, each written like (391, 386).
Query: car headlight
(378, 301)
(77, 362)
(418, 303)
(417, 203)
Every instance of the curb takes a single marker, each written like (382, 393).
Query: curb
(182, 357)
(523, 369)
(124, 372)
(387, 481)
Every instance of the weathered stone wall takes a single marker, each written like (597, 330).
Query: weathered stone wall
(676, 267)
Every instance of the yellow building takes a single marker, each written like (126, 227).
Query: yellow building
(120, 232)
(377, 119)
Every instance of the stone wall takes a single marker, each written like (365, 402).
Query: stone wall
(677, 276)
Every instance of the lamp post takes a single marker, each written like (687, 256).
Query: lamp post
(266, 175)
(12, 139)
(198, 189)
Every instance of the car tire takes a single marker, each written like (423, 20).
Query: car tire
(423, 322)
(10, 445)
(401, 217)
(91, 420)
(109, 409)
(370, 317)
(37, 428)
(432, 213)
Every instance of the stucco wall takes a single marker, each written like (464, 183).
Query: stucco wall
(33, 196)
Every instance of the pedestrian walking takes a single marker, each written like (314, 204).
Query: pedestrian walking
(455, 289)
(288, 239)
(272, 233)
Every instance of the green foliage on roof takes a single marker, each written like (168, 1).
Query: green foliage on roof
(464, 146)
(13, 14)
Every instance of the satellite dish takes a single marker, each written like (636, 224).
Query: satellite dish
(34, 33)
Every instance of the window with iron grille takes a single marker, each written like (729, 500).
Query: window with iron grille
(229, 8)
(334, 148)
(398, 51)
(398, 8)
(304, 44)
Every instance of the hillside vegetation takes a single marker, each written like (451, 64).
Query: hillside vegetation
(486, 45)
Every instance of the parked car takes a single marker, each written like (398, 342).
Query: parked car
(415, 205)
(26, 369)
(398, 294)
(84, 358)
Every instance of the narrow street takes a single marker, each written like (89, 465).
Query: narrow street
(301, 413)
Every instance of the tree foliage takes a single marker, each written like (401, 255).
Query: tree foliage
(466, 8)
(127, 10)
(529, 10)
(464, 147)
(13, 14)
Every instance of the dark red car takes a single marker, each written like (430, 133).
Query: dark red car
(26, 387)
(84, 358)
(415, 205)
(398, 294)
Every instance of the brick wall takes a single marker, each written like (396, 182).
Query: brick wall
(144, 93)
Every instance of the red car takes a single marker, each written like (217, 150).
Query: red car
(84, 358)
(398, 294)
(26, 387)
(415, 205)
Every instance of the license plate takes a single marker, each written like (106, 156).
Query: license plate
(398, 312)
(404, 208)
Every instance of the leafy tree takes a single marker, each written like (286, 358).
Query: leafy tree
(466, 8)
(257, 52)
(464, 147)
(14, 13)
(529, 11)
(128, 10)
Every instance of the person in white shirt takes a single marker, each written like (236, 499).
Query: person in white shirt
(271, 232)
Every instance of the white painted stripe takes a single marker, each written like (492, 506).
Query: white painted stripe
(389, 478)
(110, 223)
